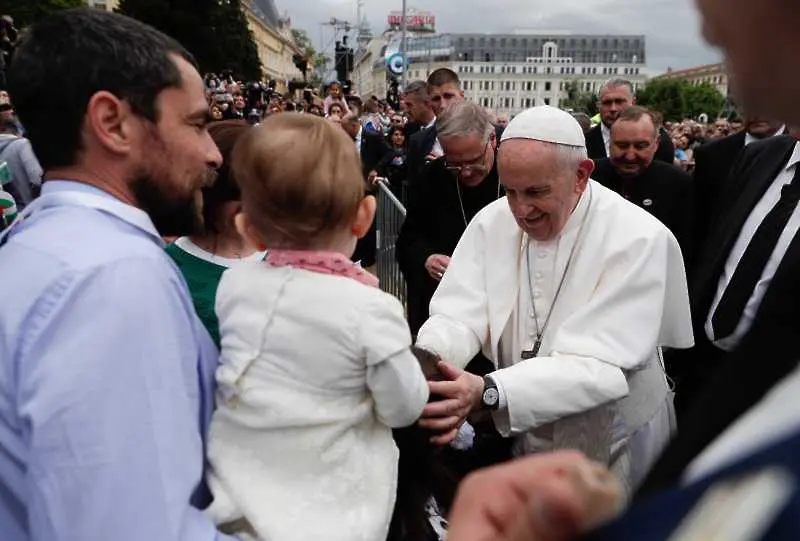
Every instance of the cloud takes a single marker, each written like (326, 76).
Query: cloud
(671, 26)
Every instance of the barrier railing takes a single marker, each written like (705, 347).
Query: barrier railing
(389, 219)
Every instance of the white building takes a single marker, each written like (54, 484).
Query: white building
(510, 72)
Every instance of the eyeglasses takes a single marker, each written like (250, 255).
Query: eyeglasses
(468, 167)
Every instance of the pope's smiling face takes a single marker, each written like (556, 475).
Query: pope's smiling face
(543, 185)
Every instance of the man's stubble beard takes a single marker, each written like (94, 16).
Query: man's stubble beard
(172, 216)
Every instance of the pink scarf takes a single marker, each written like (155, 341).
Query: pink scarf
(321, 262)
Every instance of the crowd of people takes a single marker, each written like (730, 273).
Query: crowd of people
(577, 300)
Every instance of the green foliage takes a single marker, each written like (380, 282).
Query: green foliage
(677, 99)
(704, 98)
(579, 101)
(665, 96)
(317, 60)
(214, 31)
(26, 12)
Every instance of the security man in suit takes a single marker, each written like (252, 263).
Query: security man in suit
(443, 88)
(617, 95)
(713, 163)
(662, 189)
(372, 148)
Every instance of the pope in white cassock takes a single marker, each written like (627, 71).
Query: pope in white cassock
(571, 291)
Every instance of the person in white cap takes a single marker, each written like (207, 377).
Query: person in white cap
(570, 291)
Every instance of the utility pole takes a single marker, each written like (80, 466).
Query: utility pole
(359, 42)
(403, 36)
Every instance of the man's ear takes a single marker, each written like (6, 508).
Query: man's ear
(111, 123)
(364, 217)
(248, 232)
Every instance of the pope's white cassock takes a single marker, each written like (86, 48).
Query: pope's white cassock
(597, 384)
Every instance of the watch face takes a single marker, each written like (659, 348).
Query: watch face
(491, 396)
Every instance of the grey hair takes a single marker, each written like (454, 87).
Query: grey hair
(570, 157)
(462, 118)
(616, 83)
(418, 89)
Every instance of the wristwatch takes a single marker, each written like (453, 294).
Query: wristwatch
(490, 399)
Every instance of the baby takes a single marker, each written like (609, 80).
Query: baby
(316, 366)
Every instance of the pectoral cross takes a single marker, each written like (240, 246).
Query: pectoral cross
(532, 353)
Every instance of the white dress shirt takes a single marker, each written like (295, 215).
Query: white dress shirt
(606, 131)
(749, 139)
(358, 140)
(769, 200)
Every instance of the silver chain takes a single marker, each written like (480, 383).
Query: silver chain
(540, 331)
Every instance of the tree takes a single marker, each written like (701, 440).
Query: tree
(665, 96)
(317, 60)
(214, 31)
(578, 100)
(703, 98)
(235, 42)
(678, 99)
(25, 12)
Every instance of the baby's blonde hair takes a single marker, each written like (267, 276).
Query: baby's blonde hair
(300, 178)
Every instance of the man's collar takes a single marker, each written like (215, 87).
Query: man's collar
(748, 139)
(82, 194)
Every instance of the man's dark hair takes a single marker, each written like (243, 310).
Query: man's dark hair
(66, 58)
(443, 76)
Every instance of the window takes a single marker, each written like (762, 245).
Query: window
(547, 86)
(547, 101)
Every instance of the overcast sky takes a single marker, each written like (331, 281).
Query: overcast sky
(671, 26)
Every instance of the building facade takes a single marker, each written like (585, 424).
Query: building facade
(273, 37)
(508, 73)
(713, 74)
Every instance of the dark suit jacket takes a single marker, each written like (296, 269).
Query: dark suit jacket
(712, 166)
(419, 146)
(663, 190)
(373, 149)
(714, 388)
(434, 225)
(597, 148)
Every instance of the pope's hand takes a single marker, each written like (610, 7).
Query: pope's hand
(460, 392)
(546, 497)
(436, 265)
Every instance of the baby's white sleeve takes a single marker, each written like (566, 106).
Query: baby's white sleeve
(394, 375)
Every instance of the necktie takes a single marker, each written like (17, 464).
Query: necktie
(747, 274)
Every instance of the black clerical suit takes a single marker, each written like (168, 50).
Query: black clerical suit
(663, 190)
(714, 387)
(373, 148)
(596, 147)
(434, 224)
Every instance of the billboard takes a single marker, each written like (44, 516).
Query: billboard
(416, 21)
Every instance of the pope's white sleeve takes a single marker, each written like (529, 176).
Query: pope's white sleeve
(618, 330)
(459, 322)
(394, 376)
(542, 390)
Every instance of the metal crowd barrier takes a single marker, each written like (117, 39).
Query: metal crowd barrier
(391, 214)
